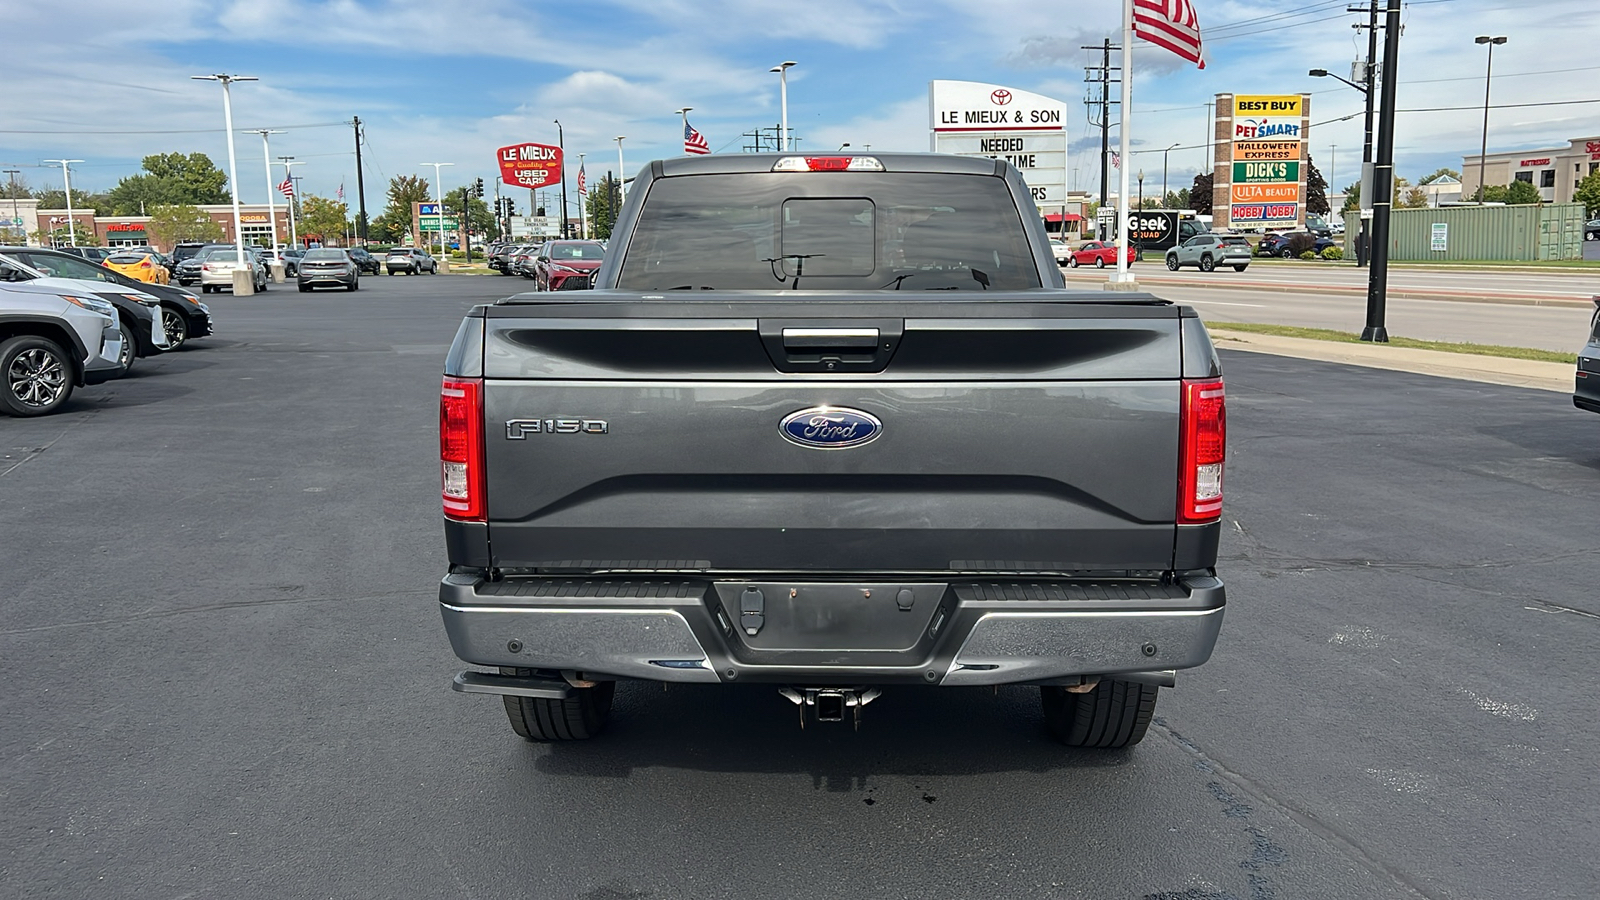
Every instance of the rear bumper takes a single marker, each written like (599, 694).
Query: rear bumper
(967, 632)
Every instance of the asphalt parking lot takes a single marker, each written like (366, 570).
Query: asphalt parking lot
(228, 677)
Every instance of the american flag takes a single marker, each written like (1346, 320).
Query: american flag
(341, 192)
(1171, 25)
(286, 187)
(693, 141)
(583, 181)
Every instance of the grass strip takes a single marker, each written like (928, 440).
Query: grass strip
(1346, 337)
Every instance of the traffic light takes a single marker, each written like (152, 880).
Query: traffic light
(477, 189)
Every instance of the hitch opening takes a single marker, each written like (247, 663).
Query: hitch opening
(829, 704)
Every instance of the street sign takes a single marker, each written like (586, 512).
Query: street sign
(530, 165)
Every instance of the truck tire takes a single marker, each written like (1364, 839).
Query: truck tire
(579, 717)
(1115, 714)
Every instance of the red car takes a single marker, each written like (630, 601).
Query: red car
(1101, 254)
(566, 265)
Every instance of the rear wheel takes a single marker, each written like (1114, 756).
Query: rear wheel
(1099, 262)
(1207, 263)
(130, 346)
(354, 285)
(579, 717)
(35, 375)
(1115, 714)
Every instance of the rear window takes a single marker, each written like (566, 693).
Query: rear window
(772, 231)
(324, 256)
(577, 251)
(1235, 242)
(123, 259)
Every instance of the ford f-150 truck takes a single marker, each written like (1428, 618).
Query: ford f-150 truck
(834, 424)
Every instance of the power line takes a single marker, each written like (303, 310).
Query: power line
(171, 131)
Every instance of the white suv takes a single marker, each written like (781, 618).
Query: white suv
(50, 342)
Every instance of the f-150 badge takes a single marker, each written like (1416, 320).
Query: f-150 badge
(519, 429)
(830, 428)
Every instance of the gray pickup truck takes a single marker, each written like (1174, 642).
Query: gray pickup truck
(832, 424)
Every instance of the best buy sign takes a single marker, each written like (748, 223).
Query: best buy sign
(1266, 172)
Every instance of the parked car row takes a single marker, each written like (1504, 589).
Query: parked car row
(47, 346)
(554, 265)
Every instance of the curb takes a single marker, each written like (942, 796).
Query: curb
(1536, 374)
(1339, 291)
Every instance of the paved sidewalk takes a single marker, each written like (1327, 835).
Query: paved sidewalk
(1453, 295)
(1548, 376)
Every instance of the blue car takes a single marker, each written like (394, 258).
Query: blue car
(1278, 244)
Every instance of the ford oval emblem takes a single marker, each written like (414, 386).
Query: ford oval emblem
(830, 428)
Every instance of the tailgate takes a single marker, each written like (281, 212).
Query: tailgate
(932, 436)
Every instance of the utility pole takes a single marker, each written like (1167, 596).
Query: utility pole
(361, 189)
(561, 140)
(1102, 76)
(1369, 79)
(66, 176)
(1383, 184)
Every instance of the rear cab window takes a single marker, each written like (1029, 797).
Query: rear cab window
(776, 231)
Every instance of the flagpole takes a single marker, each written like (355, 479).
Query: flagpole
(583, 207)
(1123, 212)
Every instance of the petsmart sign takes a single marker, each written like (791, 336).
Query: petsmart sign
(1268, 141)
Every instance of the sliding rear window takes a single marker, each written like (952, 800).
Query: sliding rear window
(829, 231)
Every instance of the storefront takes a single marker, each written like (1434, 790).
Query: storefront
(1554, 171)
(124, 234)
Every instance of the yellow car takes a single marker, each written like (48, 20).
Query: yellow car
(141, 265)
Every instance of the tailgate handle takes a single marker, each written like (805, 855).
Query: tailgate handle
(853, 338)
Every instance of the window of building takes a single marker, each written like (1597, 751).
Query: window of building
(1547, 178)
(1525, 176)
(1594, 167)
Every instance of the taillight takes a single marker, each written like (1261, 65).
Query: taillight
(145, 264)
(1202, 449)
(461, 448)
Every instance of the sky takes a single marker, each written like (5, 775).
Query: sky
(452, 81)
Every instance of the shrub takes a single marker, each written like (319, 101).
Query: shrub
(1300, 243)
(1309, 254)
(1332, 253)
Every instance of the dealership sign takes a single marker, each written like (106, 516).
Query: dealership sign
(530, 165)
(1027, 130)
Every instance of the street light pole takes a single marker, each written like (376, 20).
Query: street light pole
(16, 217)
(1488, 72)
(1367, 87)
(288, 175)
(233, 162)
(1383, 185)
(561, 141)
(66, 177)
(272, 212)
(1141, 190)
(622, 175)
(784, 142)
(438, 196)
(1164, 172)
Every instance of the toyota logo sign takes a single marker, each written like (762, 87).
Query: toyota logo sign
(1000, 97)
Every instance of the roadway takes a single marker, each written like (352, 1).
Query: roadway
(1277, 294)
(226, 674)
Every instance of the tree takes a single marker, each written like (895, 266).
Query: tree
(479, 219)
(405, 190)
(51, 198)
(1352, 197)
(323, 216)
(1178, 199)
(1440, 173)
(1415, 198)
(170, 179)
(1522, 193)
(1316, 190)
(1200, 194)
(1588, 193)
(603, 196)
(58, 236)
(172, 223)
(386, 229)
(15, 187)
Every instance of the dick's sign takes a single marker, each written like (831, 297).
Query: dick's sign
(530, 165)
